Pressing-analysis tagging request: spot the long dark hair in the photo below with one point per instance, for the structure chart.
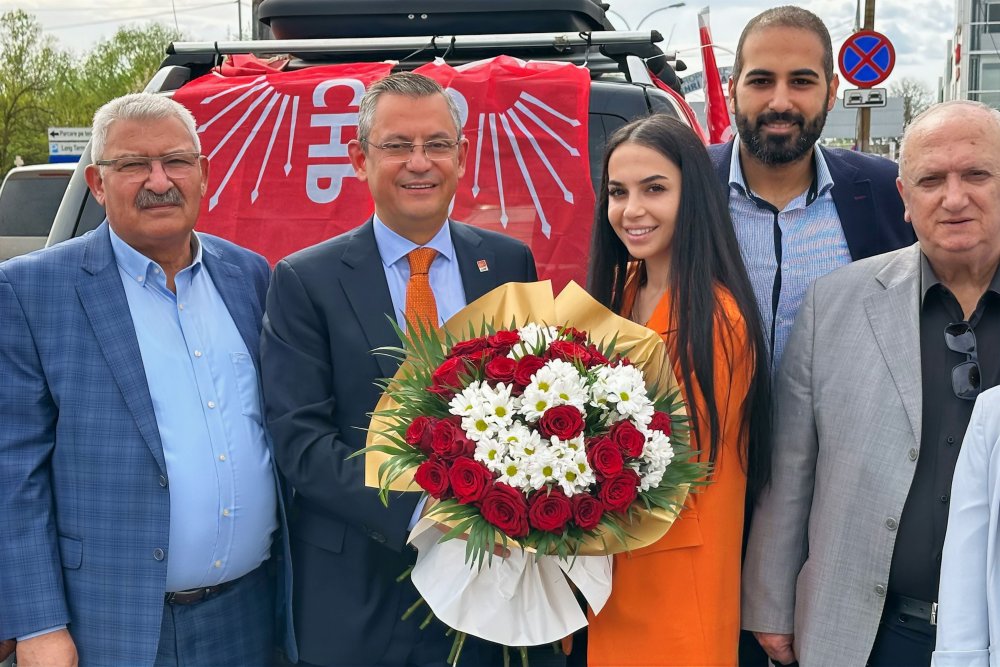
(704, 254)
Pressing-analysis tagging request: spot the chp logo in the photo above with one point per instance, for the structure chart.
(281, 179)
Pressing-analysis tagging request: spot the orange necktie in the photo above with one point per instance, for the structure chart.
(420, 304)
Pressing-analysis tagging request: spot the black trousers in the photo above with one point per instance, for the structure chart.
(902, 641)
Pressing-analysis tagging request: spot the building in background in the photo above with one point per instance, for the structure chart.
(972, 61)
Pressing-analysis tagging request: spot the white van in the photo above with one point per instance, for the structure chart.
(29, 199)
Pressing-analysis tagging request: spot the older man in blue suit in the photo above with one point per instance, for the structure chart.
(139, 504)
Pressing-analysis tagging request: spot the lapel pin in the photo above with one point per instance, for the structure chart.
(483, 266)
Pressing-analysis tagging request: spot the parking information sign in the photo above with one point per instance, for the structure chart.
(867, 58)
(66, 144)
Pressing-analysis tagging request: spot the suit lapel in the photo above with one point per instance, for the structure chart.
(894, 315)
(852, 196)
(476, 262)
(722, 166)
(368, 293)
(103, 298)
(237, 293)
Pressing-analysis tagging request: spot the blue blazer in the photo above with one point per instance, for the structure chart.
(328, 307)
(84, 498)
(864, 192)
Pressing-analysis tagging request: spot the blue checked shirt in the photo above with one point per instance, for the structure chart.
(785, 251)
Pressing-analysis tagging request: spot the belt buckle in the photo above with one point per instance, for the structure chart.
(934, 613)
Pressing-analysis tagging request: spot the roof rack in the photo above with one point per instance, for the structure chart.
(601, 52)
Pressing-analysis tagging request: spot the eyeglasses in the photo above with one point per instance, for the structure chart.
(402, 151)
(966, 380)
(175, 165)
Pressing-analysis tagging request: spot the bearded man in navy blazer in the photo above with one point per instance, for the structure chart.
(139, 505)
(800, 211)
(328, 307)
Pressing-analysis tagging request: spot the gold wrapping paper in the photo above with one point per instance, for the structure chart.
(535, 302)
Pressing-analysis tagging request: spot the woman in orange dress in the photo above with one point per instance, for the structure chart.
(664, 254)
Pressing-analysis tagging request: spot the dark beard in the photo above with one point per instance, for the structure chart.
(779, 149)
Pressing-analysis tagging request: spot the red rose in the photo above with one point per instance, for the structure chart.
(504, 340)
(574, 334)
(527, 366)
(568, 350)
(448, 441)
(596, 358)
(549, 511)
(618, 492)
(661, 422)
(464, 347)
(479, 358)
(628, 438)
(419, 433)
(605, 457)
(447, 374)
(587, 511)
(501, 369)
(469, 480)
(432, 476)
(562, 421)
(505, 507)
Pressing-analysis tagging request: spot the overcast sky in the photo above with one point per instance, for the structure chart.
(919, 29)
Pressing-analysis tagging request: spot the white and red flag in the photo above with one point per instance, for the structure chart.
(716, 113)
(281, 180)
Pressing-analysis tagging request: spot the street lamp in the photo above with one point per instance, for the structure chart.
(643, 19)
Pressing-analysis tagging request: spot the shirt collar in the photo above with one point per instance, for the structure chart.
(822, 180)
(929, 279)
(137, 265)
(392, 247)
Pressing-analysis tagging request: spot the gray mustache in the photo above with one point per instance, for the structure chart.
(148, 198)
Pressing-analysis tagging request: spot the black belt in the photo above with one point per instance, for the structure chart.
(900, 604)
(196, 595)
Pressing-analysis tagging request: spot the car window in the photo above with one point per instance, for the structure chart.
(28, 203)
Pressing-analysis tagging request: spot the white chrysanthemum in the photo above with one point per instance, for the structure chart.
(577, 475)
(513, 472)
(543, 467)
(657, 454)
(478, 425)
(534, 339)
(491, 453)
(498, 403)
(522, 444)
(535, 401)
(462, 404)
(658, 449)
(555, 383)
(622, 391)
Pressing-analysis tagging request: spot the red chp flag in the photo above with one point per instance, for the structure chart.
(281, 180)
(716, 114)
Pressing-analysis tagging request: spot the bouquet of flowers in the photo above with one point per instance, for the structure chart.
(532, 435)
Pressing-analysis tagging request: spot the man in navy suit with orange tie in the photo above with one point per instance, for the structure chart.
(328, 307)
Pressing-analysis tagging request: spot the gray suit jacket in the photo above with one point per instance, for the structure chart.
(846, 444)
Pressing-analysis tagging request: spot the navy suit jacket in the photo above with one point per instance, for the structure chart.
(84, 494)
(328, 307)
(864, 192)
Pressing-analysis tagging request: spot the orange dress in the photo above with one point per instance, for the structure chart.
(677, 602)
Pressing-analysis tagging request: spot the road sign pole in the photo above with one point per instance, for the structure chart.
(865, 115)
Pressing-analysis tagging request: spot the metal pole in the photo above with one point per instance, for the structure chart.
(239, 17)
(865, 115)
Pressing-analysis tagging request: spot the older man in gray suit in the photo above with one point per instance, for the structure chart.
(875, 392)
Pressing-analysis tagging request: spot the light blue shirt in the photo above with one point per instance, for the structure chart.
(812, 244)
(223, 500)
(444, 276)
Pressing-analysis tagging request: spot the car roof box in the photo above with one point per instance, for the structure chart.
(315, 19)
